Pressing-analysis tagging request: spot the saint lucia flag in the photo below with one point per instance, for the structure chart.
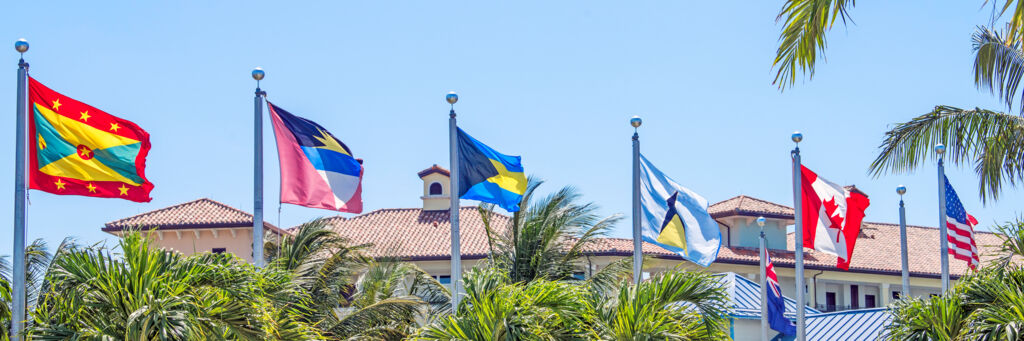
(676, 218)
(317, 170)
(489, 176)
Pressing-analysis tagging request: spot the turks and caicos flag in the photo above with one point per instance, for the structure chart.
(317, 170)
(831, 216)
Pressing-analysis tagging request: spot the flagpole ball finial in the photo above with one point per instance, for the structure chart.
(901, 190)
(451, 97)
(258, 73)
(21, 45)
(760, 221)
(940, 149)
(635, 121)
(797, 137)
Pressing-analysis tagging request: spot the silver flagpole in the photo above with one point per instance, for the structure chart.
(257, 205)
(798, 238)
(764, 283)
(18, 297)
(453, 155)
(901, 190)
(943, 235)
(638, 255)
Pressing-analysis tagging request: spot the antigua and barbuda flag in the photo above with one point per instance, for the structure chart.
(676, 218)
(317, 170)
(489, 176)
(832, 215)
(76, 149)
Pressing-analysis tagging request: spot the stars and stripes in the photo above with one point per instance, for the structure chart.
(961, 229)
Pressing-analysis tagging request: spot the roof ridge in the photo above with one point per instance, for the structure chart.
(163, 210)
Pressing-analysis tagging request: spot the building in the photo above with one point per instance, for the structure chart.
(422, 235)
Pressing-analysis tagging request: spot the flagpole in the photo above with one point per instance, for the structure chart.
(901, 190)
(940, 149)
(453, 155)
(18, 297)
(638, 260)
(798, 238)
(257, 205)
(764, 283)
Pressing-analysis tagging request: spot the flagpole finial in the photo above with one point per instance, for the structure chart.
(21, 45)
(797, 137)
(451, 97)
(901, 190)
(635, 121)
(760, 221)
(940, 149)
(258, 74)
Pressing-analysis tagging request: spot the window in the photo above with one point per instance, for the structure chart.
(444, 279)
(435, 189)
(219, 250)
(579, 275)
(854, 296)
(895, 295)
(869, 301)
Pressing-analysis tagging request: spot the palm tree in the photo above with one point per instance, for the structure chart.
(545, 239)
(674, 305)
(143, 293)
(805, 23)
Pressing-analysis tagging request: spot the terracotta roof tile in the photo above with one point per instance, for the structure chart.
(749, 206)
(201, 213)
(434, 169)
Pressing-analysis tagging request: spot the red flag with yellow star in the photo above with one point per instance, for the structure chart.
(77, 149)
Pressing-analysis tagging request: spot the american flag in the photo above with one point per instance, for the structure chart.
(961, 229)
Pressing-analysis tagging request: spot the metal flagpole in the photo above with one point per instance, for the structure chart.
(798, 239)
(764, 283)
(257, 205)
(638, 255)
(453, 155)
(940, 149)
(903, 244)
(18, 297)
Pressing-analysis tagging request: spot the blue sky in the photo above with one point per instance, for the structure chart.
(555, 82)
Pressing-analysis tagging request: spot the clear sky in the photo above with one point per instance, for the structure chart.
(553, 81)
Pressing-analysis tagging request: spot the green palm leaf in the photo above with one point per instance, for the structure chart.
(802, 40)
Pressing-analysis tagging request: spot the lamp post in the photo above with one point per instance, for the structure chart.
(901, 190)
(635, 122)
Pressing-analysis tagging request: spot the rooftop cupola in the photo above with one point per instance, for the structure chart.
(436, 188)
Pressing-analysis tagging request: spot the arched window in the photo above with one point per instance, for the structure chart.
(435, 189)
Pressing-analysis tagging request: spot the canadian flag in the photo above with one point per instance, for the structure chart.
(831, 216)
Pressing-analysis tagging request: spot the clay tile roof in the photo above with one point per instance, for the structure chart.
(415, 234)
(749, 206)
(877, 251)
(201, 213)
(434, 169)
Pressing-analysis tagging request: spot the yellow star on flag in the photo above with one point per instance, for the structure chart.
(56, 104)
(91, 188)
(114, 127)
(60, 184)
(85, 116)
(123, 189)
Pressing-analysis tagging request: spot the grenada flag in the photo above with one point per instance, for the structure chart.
(76, 149)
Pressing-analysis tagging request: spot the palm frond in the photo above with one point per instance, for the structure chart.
(802, 40)
(992, 141)
(998, 64)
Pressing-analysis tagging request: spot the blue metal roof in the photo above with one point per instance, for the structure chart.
(855, 325)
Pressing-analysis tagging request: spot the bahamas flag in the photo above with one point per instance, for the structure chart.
(489, 176)
(676, 218)
(317, 170)
(76, 149)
